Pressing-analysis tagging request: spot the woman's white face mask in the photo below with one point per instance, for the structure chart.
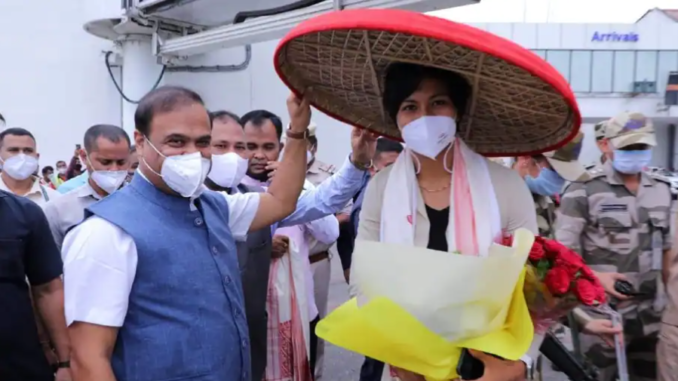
(429, 135)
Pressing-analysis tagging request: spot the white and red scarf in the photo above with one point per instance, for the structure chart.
(288, 345)
(474, 222)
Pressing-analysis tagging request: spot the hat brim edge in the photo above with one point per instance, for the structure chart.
(561, 87)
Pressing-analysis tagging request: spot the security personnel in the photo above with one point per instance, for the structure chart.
(546, 175)
(601, 142)
(619, 221)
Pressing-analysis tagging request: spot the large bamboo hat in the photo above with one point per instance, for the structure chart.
(519, 104)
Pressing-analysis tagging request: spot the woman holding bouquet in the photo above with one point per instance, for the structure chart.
(450, 92)
(428, 103)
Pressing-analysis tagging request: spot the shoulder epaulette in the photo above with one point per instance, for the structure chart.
(594, 173)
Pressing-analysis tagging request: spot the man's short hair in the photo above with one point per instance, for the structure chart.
(387, 145)
(162, 100)
(224, 116)
(46, 169)
(259, 117)
(15, 131)
(109, 132)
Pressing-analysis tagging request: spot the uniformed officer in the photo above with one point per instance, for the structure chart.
(601, 142)
(619, 221)
(319, 253)
(546, 175)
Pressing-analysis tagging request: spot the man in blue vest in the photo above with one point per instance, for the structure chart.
(153, 288)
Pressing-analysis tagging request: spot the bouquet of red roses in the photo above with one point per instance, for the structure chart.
(557, 281)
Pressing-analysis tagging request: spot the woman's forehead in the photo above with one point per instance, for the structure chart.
(430, 87)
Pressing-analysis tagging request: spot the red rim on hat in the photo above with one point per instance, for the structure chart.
(520, 104)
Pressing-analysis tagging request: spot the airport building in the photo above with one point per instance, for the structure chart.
(613, 68)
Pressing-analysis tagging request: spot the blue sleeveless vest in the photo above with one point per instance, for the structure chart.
(186, 317)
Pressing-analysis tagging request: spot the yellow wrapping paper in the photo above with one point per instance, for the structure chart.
(416, 308)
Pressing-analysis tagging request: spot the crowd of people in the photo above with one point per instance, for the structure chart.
(199, 248)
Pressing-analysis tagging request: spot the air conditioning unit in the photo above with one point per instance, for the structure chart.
(230, 23)
(645, 87)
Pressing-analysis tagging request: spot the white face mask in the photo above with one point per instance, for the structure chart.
(184, 174)
(309, 157)
(429, 135)
(109, 181)
(62, 171)
(20, 167)
(228, 169)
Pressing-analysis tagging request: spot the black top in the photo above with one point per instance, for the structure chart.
(27, 249)
(437, 235)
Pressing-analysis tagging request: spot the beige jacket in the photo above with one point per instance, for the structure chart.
(516, 207)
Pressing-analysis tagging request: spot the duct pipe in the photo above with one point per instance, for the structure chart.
(139, 73)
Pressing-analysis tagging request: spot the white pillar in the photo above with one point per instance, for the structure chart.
(140, 71)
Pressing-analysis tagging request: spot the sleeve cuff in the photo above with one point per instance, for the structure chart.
(349, 171)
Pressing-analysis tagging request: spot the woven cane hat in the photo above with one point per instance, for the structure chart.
(520, 105)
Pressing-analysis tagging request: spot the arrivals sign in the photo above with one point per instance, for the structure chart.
(614, 37)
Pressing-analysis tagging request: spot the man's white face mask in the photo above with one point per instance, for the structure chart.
(184, 174)
(228, 169)
(109, 181)
(20, 167)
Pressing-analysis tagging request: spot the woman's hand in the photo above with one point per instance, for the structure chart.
(604, 329)
(607, 280)
(364, 145)
(406, 375)
(499, 370)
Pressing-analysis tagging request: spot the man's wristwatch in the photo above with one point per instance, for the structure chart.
(63, 364)
(296, 134)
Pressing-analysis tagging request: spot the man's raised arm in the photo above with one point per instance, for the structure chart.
(280, 199)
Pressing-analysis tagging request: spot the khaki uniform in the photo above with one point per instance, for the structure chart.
(565, 162)
(618, 231)
(546, 215)
(39, 194)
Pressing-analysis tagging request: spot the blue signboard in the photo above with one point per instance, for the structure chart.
(614, 37)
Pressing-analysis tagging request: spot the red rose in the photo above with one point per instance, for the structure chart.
(587, 273)
(507, 240)
(537, 252)
(552, 246)
(586, 292)
(558, 281)
(572, 263)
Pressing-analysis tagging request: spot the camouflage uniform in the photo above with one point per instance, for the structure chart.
(619, 231)
(564, 162)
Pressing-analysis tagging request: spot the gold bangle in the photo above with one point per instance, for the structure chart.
(361, 166)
